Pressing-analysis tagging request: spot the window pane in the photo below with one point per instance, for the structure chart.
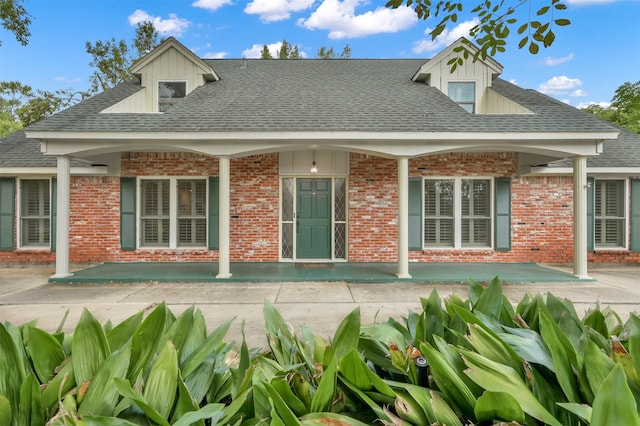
(287, 240)
(34, 212)
(192, 222)
(172, 89)
(610, 218)
(340, 200)
(155, 212)
(438, 206)
(287, 199)
(462, 91)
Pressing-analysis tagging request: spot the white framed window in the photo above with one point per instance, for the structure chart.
(610, 213)
(35, 212)
(458, 212)
(464, 94)
(173, 212)
(169, 92)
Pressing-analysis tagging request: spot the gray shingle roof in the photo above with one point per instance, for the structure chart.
(16, 150)
(621, 152)
(369, 95)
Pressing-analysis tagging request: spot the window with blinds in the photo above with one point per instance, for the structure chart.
(35, 223)
(457, 212)
(610, 213)
(464, 94)
(192, 213)
(173, 212)
(154, 210)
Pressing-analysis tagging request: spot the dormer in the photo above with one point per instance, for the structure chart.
(470, 84)
(168, 73)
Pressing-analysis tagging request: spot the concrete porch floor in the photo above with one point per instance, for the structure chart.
(378, 272)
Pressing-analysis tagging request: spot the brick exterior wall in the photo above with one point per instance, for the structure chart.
(541, 216)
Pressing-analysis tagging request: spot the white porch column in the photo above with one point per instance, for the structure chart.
(580, 217)
(62, 217)
(225, 214)
(403, 218)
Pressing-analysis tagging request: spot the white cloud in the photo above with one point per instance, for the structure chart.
(173, 26)
(214, 55)
(255, 51)
(445, 38)
(579, 94)
(583, 105)
(276, 10)
(552, 62)
(67, 80)
(340, 18)
(211, 5)
(560, 86)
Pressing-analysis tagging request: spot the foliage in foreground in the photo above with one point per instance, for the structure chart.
(478, 361)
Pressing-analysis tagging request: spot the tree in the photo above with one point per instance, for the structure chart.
(496, 21)
(14, 18)
(114, 58)
(625, 107)
(286, 51)
(324, 53)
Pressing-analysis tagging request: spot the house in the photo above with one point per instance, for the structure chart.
(352, 160)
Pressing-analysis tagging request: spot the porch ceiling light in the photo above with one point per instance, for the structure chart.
(314, 168)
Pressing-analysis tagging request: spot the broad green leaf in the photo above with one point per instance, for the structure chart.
(30, 410)
(493, 406)
(162, 384)
(443, 412)
(5, 411)
(11, 375)
(196, 336)
(432, 320)
(62, 383)
(284, 412)
(124, 388)
(206, 349)
(102, 396)
(179, 330)
(120, 334)
(529, 345)
(325, 392)
(89, 347)
(409, 409)
(46, 353)
(286, 393)
(491, 346)
(105, 421)
(347, 334)
(448, 381)
(581, 410)
(564, 357)
(145, 341)
(184, 403)
(597, 366)
(615, 402)
(200, 380)
(496, 377)
(490, 300)
(596, 320)
(368, 400)
(209, 411)
(634, 339)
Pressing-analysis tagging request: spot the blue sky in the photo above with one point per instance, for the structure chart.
(598, 52)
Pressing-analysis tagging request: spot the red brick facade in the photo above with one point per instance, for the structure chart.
(541, 215)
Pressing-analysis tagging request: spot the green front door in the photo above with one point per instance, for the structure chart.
(313, 219)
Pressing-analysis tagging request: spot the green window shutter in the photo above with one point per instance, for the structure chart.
(53, 213)
(503, 214)
(415, 213)
(214, 213)
(635, 215)
(128, 213)
(591, 217)
(7, 213)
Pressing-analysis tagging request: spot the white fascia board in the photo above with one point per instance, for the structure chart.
(321, 136)
(410, 144)
(626, 171)
(51, 171)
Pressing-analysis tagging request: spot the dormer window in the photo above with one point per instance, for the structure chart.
(464, 94)
(169, 92)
